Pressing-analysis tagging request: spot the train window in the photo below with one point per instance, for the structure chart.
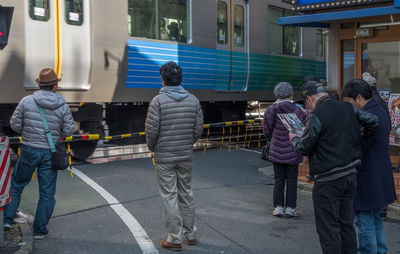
(291, 38)
(159, 19)
(238, 35)
(222, 23)
(320, 42)
(275, 31)
(283, 39)
(39, 10)
(74, 12)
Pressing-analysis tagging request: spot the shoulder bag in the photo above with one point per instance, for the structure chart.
(59, 157)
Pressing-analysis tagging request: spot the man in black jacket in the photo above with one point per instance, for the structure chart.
(332, 141)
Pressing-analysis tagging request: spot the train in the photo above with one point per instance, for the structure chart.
(108, 54)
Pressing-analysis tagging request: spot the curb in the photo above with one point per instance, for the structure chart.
(25, 221)
(27, 238)
(393, 210)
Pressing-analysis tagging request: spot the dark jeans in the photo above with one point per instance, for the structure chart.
(334, 215)
(30, 159)
(285, 173)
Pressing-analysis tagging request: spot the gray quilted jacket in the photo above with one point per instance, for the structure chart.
(26, 118)
(174, 123)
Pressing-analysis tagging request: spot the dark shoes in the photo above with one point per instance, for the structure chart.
(171, 246)
(190, 242)
(42, 236)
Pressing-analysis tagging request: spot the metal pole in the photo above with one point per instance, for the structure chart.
(1, 228)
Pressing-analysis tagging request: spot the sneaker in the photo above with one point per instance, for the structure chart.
(190, 241)
(7, 227)
(290, 212)
(42, 236)
(278, 211)
(171, 246)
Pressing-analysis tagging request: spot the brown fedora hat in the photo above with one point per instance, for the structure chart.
(47, 77)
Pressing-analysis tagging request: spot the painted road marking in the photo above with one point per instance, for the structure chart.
(248, 150)
(138, 232)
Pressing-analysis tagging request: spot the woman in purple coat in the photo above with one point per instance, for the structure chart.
(281, 153)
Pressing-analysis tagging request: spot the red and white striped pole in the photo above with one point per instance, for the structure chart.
(5, 183)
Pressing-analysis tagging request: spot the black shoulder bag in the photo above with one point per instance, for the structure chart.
(59, 157)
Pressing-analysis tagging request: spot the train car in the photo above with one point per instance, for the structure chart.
(108, 54)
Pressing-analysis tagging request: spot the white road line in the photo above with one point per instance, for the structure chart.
(248, 150)
(138, 232)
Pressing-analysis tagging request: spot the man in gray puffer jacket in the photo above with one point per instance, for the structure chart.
(35, 150)
(174, 123)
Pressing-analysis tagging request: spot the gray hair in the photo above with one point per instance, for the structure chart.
(369, 79)
(283, 90)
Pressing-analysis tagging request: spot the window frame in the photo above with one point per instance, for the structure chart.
(283, 12)
(189, 19)
(243, 24)
(227, 33)
(66, 18)
(32, 11)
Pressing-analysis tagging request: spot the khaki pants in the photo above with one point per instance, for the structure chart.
(174, 181)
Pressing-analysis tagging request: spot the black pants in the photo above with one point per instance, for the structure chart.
(285, 173)
(334, 215)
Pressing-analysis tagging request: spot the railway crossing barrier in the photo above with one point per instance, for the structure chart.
(253, 128)
(5, 183)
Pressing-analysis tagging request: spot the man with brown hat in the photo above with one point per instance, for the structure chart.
(35, 149)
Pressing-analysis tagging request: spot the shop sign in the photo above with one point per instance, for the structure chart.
(385, 94)
(311, 5)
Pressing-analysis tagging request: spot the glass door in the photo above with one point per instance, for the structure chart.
(382, 61)
(232, 45)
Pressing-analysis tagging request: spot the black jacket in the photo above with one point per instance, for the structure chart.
(375, 184)
(332, 138)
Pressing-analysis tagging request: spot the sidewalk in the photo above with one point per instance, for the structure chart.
(233, 192)
(19, 239)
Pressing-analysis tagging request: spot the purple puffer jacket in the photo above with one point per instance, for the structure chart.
(281, 150)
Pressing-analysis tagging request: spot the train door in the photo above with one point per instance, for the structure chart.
(232, 45)
(75, 53)
(58, 35)
(39, 39)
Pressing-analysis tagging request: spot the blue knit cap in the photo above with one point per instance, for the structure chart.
(283, 90)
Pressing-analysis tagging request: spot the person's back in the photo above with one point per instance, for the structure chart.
(58, 116)
(35, 149)
(281, 154)
(178, 119)
(174, 123)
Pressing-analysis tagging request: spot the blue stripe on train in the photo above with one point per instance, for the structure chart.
(205, 68)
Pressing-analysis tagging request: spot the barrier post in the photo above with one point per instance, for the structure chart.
(5, 183)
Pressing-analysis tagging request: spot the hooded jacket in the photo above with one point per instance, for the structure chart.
(26, 119)
(174, 123)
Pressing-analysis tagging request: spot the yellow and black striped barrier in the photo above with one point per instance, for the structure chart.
(92, 137)
(96, 137)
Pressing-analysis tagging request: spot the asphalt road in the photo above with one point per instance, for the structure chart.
(233, 200)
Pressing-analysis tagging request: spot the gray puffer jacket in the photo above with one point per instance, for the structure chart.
(26, 118)
(174, 123)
